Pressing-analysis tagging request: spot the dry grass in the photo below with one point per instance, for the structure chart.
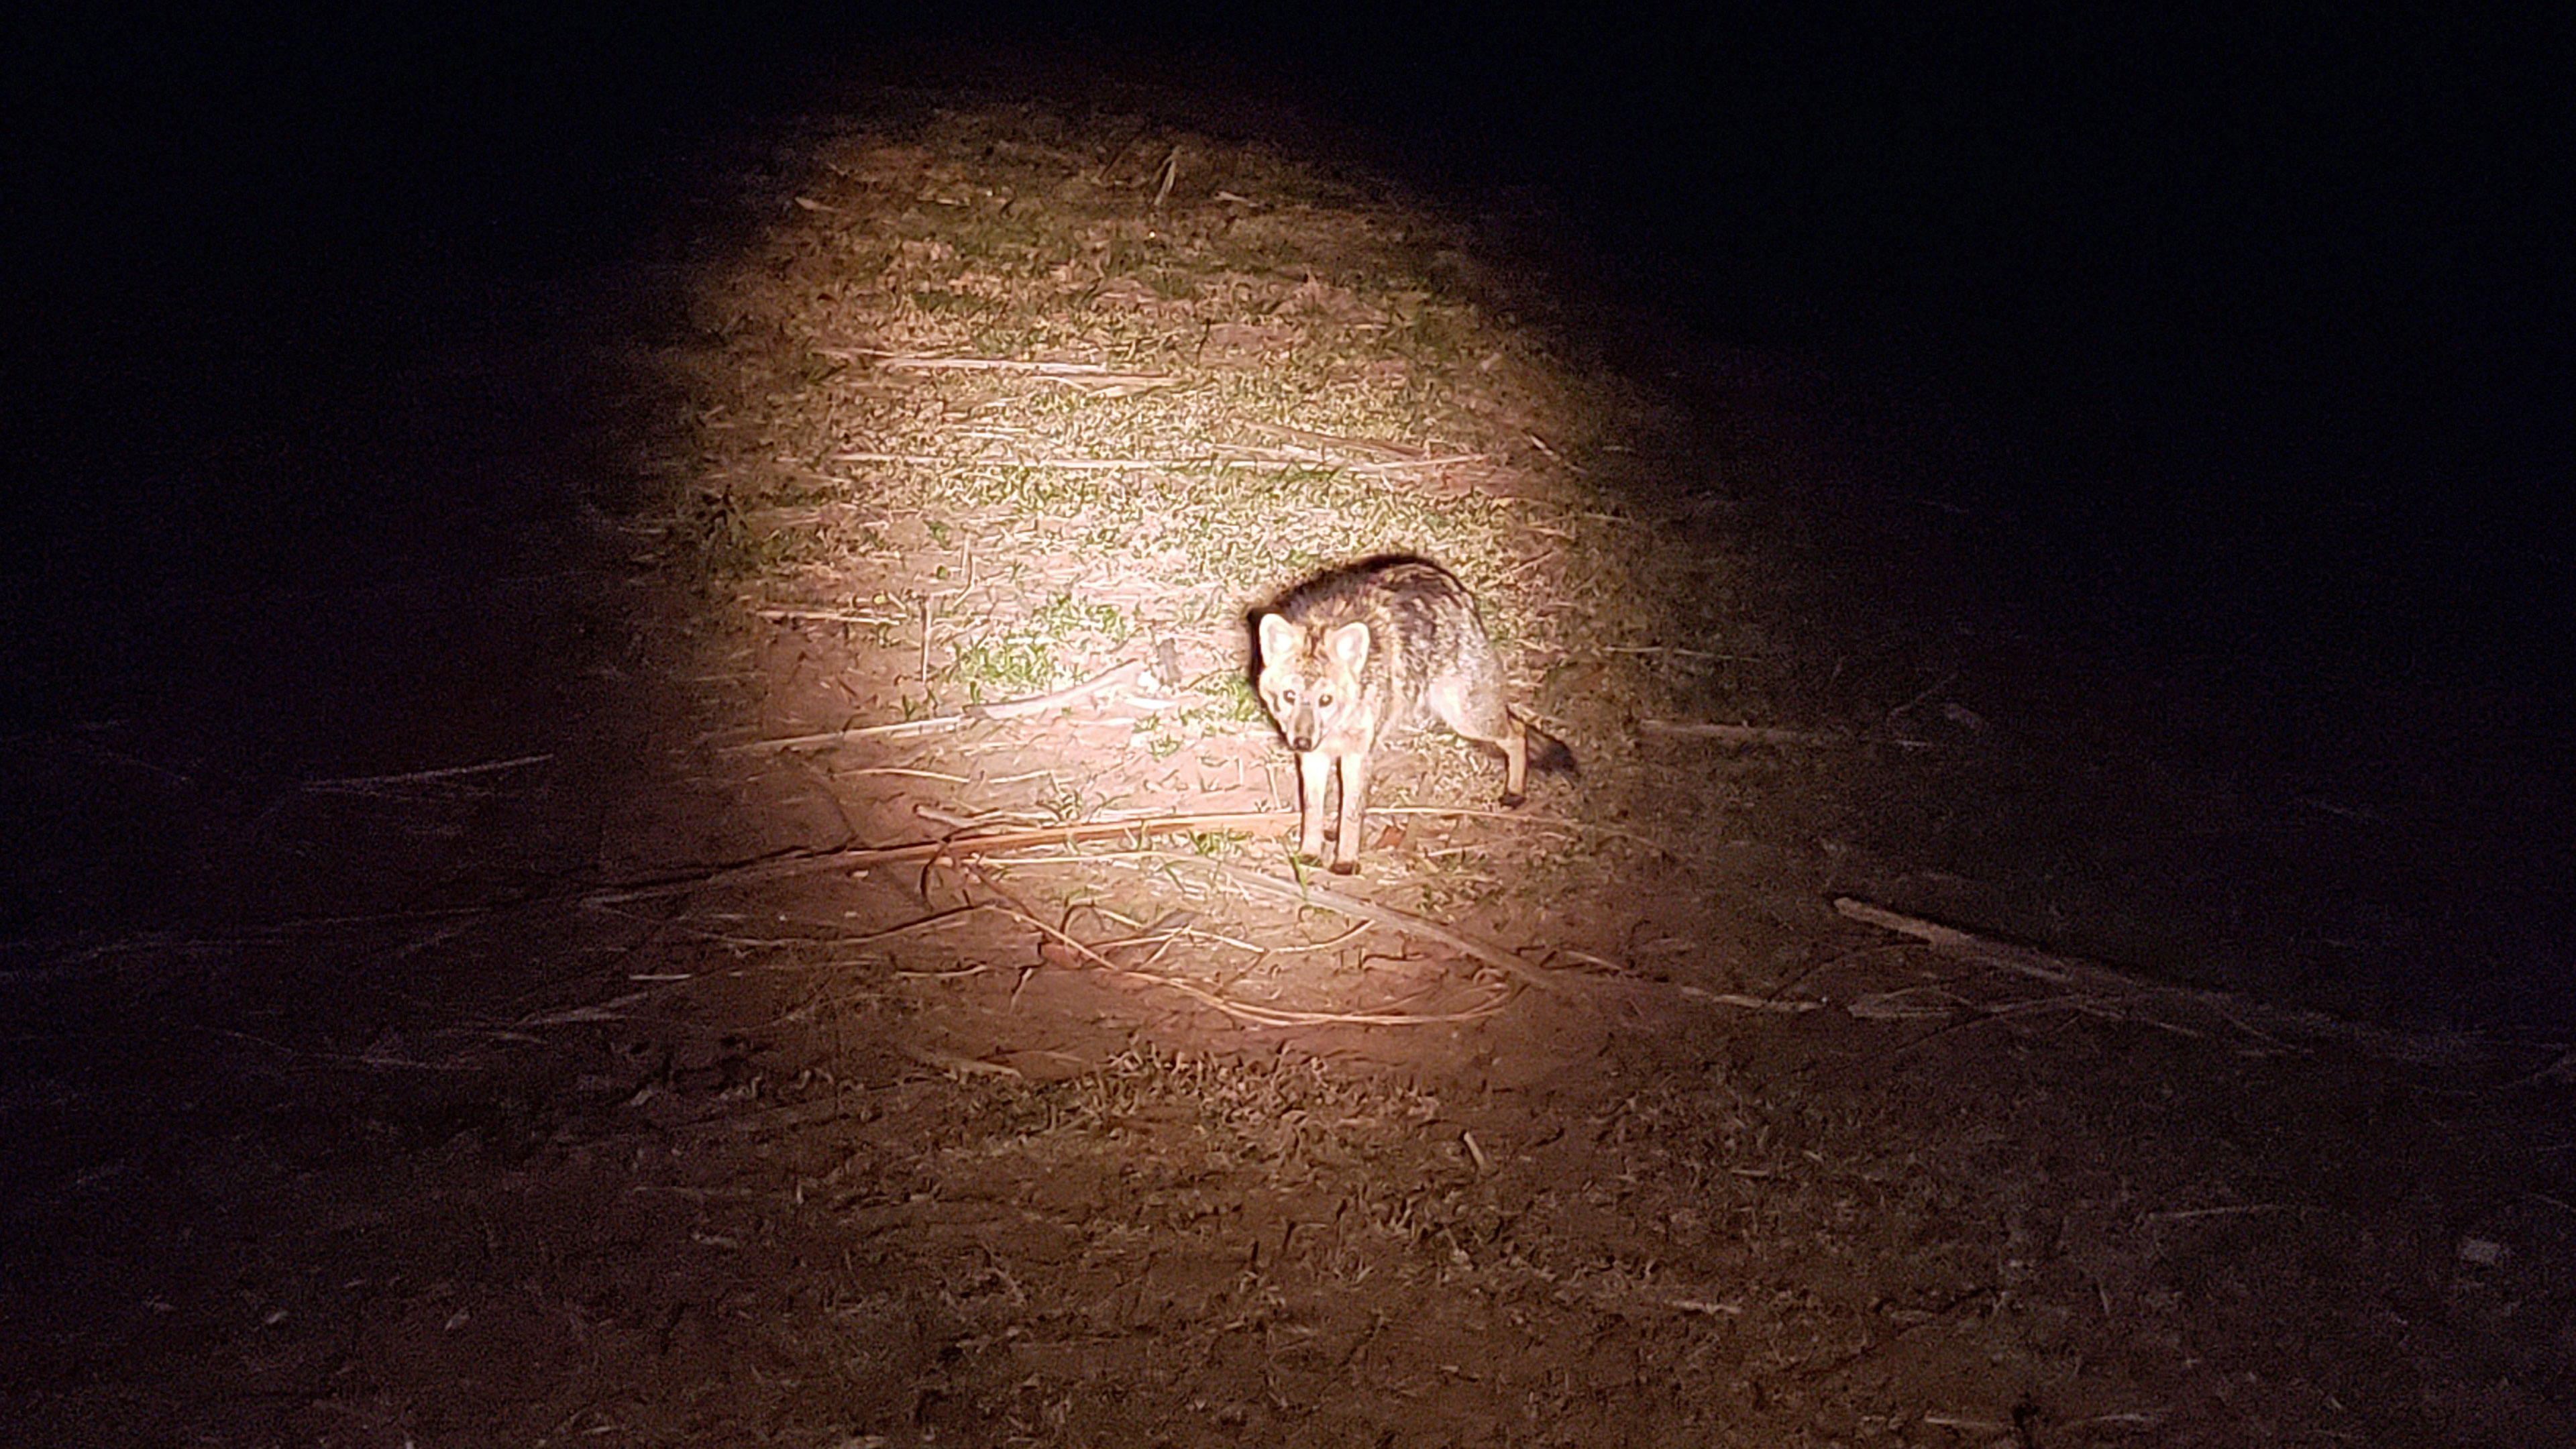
(975, 418)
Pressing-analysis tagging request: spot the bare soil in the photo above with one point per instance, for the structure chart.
(648, 995)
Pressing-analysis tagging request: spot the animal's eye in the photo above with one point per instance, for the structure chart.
(1287, 696)
(1324, 701)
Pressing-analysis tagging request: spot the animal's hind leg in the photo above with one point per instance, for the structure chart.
(1480, 715)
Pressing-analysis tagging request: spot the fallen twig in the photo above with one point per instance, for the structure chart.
(936, 724)
(1745, 1002)
(939, 724)
(1951, 941)
(2108, 981)
(2232, 1210)
(917, 362)
(787, 867)
(1310, 894)
(362, 783)
(1223, 458)
(1733, 734)
(1101, 683)
(1241, 1011)
(1376, 449)
(1331, 450)
(780, 614)
(1058, 464)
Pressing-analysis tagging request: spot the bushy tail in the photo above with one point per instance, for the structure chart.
(1548, 755)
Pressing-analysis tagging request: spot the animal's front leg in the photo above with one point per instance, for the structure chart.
(1314, 777)
(1346, 851)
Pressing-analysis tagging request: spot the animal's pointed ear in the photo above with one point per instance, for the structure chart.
(1349, 644)
(1278, 638)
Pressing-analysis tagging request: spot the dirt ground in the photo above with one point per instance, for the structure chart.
(645, 992)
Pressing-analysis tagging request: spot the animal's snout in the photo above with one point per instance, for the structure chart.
(1301, 727)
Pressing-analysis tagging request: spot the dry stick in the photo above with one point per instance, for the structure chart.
(962, 1066)
(944, 918)
(936, 724)
(2083, 1004)
(1950, 940)
(2079, 974)
(1101, 683)
(1312, 894)
(1115, 384)
(1225, 459)
(1732, 734)
(1678, 652)
(1771, 1003)
(915, 362)
(787, 867)
(1001, 709)
(1053, 465)
(1012, 904)
(2231, 1210)
(927, 604)
(1385, 452)
(863, 857)
(1240, 1011)
(1985, 950)
(415, 777)
(780, 615)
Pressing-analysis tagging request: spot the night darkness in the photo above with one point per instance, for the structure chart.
(2196, 385)
(2239, 339)
(2232, 294)
(2266, 301)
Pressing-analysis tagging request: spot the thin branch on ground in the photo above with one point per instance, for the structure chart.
(1311, 894)
(1239, 1010)
(1102, 683)
(360, 784)
(1726, 734)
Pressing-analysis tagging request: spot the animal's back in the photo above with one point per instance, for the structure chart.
(1423, 629)
(1373, 649)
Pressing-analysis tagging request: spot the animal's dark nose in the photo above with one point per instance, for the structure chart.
(1301, 743)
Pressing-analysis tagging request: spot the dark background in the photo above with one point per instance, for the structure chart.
(2245, 337)
(2282, 289)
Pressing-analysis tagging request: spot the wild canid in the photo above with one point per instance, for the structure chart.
(1366, 652)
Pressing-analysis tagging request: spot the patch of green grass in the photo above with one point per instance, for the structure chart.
(1045, 647)
(1218, 844)
(1011, 665)
(1064, 617)
(1230, 699)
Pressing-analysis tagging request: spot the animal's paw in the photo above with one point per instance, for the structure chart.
(1346, 867)
(1512, 801)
